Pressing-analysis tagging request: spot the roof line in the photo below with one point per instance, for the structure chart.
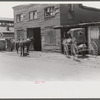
(89, 8)
(77, 25)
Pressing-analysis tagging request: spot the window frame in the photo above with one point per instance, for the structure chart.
(70, 7)
(49, 37)
(33, 12)
(53, 11)
(19, 18)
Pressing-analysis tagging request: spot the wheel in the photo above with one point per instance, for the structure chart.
(82, 51)
(74, 51)
(94, 49)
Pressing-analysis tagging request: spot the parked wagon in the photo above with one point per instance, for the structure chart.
(79, 45)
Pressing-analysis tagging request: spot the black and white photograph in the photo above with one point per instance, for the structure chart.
(49, 42)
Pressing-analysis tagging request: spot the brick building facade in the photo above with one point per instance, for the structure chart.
(6, 28)
(38, 20)
(6, 33)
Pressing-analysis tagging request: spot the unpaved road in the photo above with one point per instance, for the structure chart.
(40, 66)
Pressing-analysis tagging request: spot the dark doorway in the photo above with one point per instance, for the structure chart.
(36, 33)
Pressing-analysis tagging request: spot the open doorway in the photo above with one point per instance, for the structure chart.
(36, 33)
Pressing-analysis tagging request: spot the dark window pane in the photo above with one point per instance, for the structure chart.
(50, 37)
(48, 12)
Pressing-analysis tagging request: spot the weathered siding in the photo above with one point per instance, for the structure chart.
(41, 22)
(47, 23)
(79, 14)
(94, 35)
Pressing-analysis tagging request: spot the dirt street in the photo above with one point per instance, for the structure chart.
(40, 66)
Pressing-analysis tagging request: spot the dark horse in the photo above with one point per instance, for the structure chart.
(22, 44)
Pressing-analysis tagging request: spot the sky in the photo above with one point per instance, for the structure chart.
(7, 11)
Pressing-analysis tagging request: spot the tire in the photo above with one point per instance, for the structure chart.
(94, 49)
(74, 51)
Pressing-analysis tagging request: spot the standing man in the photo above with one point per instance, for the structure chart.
(21, 44)
(17, 45)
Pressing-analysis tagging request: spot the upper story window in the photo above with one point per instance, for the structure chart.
(70, 11)
(19, 17)
(4, 23)
(70, 7)
(49, 11)
(10, 24)
(33, 15)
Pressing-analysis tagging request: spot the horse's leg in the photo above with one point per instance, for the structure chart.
(17, 49)
(23, 50)
(28, 49)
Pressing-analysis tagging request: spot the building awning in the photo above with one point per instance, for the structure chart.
(77, 25)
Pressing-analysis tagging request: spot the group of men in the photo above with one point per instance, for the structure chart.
(22, 45)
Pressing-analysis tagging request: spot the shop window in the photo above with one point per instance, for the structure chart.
(49, 11)
(50, 37)
(32, 15)
(19, 17)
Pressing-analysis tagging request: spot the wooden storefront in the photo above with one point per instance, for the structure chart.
(92, 32)
(94, 35)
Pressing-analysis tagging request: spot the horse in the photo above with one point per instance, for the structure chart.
(25, 43)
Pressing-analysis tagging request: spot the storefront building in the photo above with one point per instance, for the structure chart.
(39, 20)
